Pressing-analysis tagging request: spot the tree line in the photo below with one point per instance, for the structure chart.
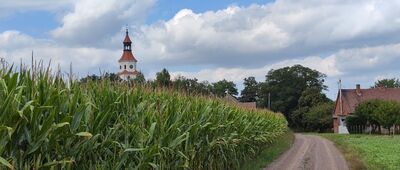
(295, 91)
(375, 114)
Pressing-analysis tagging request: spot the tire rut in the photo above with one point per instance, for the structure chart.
(310, 152)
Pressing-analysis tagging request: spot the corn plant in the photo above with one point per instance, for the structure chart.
(47, 122)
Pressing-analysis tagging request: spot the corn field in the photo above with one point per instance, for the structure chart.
(50, 123)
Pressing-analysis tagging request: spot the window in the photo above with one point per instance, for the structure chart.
(124, 66)
(129, 77)
(120, 67)
(131, 66)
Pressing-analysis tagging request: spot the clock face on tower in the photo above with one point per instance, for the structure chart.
(131, 66)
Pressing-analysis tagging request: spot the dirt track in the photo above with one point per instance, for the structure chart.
(310, 152)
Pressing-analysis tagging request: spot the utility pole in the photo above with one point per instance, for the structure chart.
(269, 100)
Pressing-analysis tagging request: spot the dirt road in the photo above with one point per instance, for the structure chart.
(310, 152)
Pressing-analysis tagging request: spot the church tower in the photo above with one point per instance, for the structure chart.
(127, 62)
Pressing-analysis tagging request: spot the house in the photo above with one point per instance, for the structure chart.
(249, 105)
(348, 99)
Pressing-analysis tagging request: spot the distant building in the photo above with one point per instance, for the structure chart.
(127, 63)
(348, 99)
(233, 100)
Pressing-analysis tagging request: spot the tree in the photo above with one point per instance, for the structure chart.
(376, 113)
(163, 78)
(112, 77)
(139, 79)
(109, 76)
(249, 93)
(309, 98)
(286, 86)
(224, 86)
(88, 78)
(191, 86)
(386, 113)
(387, 83)
(319, 117)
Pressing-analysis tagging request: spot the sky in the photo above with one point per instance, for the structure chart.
(355, 41)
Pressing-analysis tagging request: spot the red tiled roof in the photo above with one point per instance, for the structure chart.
(127, 39)
(248, 105)
(126, 72)
(127, 56)
(350, 98)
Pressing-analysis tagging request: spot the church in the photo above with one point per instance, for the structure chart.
(127, 62)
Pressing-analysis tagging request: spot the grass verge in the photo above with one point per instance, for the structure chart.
(368, 151)
(351, 155)
(270, 153)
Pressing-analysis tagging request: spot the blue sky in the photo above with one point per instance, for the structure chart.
(165, 9)
(356, 41)
(38, 23)
(35, 23)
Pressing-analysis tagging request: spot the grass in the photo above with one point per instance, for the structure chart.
(50, 123)
(270, 152)
(369, 151)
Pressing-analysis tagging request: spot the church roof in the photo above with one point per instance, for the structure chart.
(125, 72)
(127, 39)
(127, 56)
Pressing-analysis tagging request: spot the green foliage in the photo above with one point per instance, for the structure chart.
(249, 93)
(270, 152)
(377, 152)
(191, 86)
(139, 79)
(376, 113)
(319, 117)
(224, 86)
(387, 83)
(46, 123)
(301, 118)
(163, 78)
(286, 86)
(93, 77)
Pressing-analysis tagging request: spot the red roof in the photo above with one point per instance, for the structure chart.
(125, 72)
(248, 105)
(127, 39)
(127, 56)
(350, 98)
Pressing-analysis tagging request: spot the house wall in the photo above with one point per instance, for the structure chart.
(127, 76)
(127, 64)
(335, 116)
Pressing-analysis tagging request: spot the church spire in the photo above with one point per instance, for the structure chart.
(127, 52)
(127, 62)
(127, 42)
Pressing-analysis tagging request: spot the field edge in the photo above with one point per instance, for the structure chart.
(353, 157)
(270, 153)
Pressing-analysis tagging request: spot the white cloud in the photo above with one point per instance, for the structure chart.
(264, 34)
(341, 38)
(92, 22)
(9, 7)
(325, 65)
(11, 40)
(16, 47)
(36, 4)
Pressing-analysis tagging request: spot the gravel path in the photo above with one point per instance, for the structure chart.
(310, 152)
